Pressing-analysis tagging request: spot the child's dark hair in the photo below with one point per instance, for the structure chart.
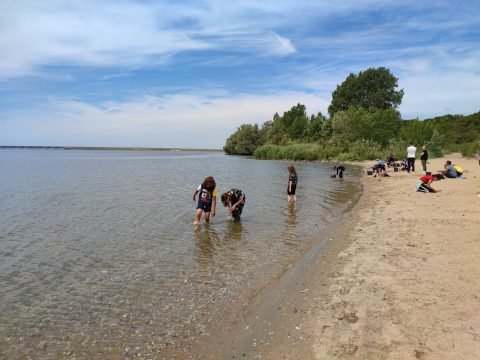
(438, 176)
(209, 182)
(291, 169)
(449, 162)
(224, 198)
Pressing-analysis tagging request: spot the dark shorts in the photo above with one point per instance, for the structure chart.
(205, 206)
(237, 212)
(294, 188)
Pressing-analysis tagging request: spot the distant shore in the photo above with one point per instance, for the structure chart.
(104, 148)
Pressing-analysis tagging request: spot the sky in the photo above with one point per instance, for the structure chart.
(188, 73)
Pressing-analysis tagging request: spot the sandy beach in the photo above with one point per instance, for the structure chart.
(397, 280)
(405, 286)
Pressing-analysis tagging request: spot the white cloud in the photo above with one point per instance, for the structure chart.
(182, 120)
(91, 33)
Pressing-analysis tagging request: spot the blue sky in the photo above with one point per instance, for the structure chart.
(188, 73)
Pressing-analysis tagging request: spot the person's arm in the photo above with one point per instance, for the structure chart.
(214, 205)
(195, 194)
(240, 201)
(431, 188)
(289, 185)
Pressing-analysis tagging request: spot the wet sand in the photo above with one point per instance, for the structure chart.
(404, 286)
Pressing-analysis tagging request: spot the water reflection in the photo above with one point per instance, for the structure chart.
(291, 219)
(206, 237)
(234, 231)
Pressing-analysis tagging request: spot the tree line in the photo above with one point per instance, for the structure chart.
(362, 123)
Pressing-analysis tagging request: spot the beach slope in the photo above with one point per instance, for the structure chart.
(408, 283)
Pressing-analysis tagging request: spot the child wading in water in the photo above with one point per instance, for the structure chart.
(292, 184)
(234, 200)
(208, 194)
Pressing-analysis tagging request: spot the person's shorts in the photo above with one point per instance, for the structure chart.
(294, 188)
(205, 206)
(237, 212)
(450, 176)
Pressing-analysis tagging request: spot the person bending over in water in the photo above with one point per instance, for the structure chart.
(234, 200)
(292, 184)
(340, 169)
(208, 195)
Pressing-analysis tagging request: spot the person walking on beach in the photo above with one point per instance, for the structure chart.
(207, 197)
(411, 152)
(234, 200)
(340, 169)
(424, 158)
(292, 183)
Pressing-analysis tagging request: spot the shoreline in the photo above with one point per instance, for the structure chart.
(406, 284)
(243, 327)
(397, 280)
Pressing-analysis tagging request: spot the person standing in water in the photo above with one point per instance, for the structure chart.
(208, 195)
(292, 183)
(340, 169)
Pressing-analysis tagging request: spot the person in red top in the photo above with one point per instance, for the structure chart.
(427, 181)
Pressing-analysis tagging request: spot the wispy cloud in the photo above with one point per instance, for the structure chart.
(90, 33)
(147, 73)
(72, 122)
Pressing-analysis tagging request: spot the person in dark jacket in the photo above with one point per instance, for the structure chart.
(424, 158)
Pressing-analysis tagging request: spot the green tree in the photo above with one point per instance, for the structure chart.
(244, 141)
(359, 124)
(372, 88)
(435, 144)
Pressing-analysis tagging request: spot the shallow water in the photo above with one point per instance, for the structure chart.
(99, 255)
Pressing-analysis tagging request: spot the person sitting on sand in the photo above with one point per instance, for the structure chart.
(426, 181)
(340, 169)
(391, 158)
(449, 171)
(404, 165)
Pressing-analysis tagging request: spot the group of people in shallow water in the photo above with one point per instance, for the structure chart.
(408, 164)
(234, 199)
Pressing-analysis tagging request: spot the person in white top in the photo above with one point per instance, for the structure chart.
(411, 152)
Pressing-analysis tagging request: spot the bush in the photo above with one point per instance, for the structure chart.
(357, 151)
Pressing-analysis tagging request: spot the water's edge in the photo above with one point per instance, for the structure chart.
(239, 332)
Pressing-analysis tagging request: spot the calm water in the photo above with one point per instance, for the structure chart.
(98, 252)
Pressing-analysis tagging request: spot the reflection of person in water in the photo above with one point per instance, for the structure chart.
(205, 240)
(292, 216)
(234, 231)
(340, 169)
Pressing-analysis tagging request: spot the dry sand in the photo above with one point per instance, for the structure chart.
(409, 283)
